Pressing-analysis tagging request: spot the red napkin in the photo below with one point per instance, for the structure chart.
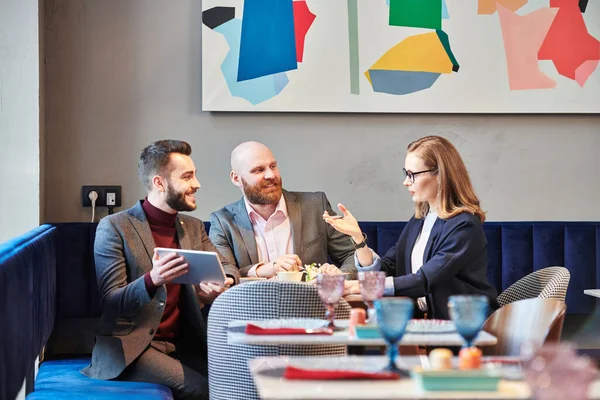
(325, 375)
(257, 330)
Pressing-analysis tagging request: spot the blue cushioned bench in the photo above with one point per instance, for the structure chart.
(49, 298)
(50, 270)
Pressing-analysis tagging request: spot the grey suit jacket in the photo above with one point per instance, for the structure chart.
(313, 240)
(123, 253)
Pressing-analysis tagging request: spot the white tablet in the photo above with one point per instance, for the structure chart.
(204, 266)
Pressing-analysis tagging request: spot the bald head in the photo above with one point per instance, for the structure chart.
(247, 153)
(254, 170)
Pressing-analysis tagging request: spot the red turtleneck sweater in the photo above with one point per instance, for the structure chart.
(162, 225)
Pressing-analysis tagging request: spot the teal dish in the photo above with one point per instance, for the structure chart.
(457, 380)
(367, 332)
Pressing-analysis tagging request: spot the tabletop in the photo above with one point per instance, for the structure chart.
(592, 292)
(343, 337)
(267, 373)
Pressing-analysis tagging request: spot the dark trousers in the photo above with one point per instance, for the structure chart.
(175, 365)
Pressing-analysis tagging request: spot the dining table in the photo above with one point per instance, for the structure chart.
(592, 292)
(268, 375)
(429, 337)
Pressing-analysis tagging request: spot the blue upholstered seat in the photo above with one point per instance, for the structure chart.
(27, 296)
(61, 379)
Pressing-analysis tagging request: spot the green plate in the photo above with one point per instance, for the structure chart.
(482, 380)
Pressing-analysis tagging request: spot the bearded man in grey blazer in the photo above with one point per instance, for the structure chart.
(152, 330)
(270, 229)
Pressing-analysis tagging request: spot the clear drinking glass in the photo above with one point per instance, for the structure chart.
(331, 290)
(469, 314)
(393, 314)
(372, 286)
(557, 372)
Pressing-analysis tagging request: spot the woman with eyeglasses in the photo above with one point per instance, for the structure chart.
(442, 250)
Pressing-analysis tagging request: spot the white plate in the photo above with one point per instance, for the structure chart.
(430, 326)
(302, 323)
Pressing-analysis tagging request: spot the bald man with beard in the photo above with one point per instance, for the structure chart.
(270, 229)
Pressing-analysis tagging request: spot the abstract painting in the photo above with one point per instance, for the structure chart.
(401, 56)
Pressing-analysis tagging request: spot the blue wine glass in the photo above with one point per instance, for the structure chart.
(469, 314)
(393, 315)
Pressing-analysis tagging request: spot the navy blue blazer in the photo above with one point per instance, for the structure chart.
(455, 262)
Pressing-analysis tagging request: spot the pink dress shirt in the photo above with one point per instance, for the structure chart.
(273, 236)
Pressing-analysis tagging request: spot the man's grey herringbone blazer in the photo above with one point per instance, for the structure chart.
(123, 252)
(313, 239)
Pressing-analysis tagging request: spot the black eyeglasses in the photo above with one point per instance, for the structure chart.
(411, 175)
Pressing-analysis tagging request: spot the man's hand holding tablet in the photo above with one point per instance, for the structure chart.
(193, 267)
(167, 268)
(210, 290)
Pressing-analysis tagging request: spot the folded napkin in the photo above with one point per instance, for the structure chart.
(323, 375)
(252, 329)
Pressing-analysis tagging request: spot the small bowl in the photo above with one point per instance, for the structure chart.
(457, 380)
(292, 276)
(367, 332)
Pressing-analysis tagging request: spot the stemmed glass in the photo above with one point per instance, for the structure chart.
(556, 371)
(372, 286)
(393, 314)
(331, 290)
(469, 314)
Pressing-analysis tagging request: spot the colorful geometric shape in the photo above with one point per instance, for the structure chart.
(425, 52)
(401, 82)
(280, 81)
(353, 46)
(523, 36)
(583, 72)
(254, 90)
(303, 19)
(583, 5)
(268, 42)
(489, 6)
(217, 16)
(568, 43)
(445, 14)
(416, 13)
(445, 41)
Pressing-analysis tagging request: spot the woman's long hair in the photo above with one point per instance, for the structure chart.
(456, 194)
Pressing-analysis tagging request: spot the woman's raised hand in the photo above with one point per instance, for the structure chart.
(345, 223)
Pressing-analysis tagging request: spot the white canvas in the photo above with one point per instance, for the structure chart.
(321, 82)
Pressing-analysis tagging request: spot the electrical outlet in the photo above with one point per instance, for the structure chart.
(107, 196)
(111, 198)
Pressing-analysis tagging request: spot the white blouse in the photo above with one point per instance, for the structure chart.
(418, 251)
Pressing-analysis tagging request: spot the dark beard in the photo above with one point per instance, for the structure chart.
(254, 194)
(176, 200)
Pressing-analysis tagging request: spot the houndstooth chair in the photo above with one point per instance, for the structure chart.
(546, 283)
(228, 373)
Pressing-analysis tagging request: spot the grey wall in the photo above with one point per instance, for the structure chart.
(120, 74)
(19, 118)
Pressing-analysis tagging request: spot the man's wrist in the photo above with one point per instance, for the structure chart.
(258, 267)
(151, 288)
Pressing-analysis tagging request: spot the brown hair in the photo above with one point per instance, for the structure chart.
(456, 194)
(155, 159)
